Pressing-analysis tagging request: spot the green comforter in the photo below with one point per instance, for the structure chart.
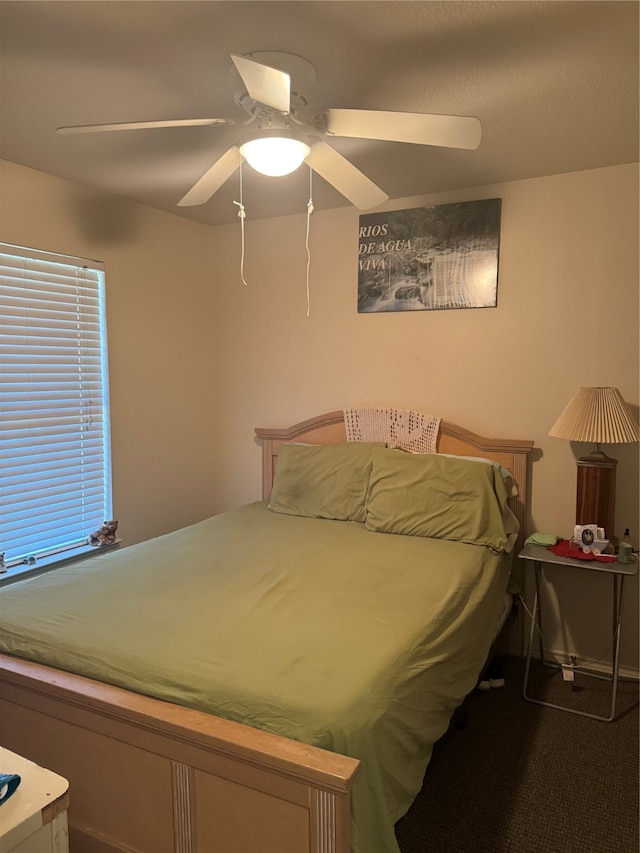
(322, 631)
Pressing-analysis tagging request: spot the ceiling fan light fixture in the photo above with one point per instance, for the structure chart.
(275, 156)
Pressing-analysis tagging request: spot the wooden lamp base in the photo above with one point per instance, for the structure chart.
(596, 492)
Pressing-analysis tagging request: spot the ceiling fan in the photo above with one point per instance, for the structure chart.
(270, 87)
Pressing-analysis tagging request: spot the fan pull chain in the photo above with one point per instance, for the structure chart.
(310, 209)
(242, 214)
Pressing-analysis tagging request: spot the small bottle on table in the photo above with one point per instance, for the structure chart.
(625, 549)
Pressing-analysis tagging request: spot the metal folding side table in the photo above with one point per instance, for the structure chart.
(541, 556)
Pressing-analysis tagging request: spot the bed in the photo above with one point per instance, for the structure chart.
(327, 748)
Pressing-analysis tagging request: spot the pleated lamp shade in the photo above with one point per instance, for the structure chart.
(601, 416)
(598, 415)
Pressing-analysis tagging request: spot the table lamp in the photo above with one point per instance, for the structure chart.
(601, 416)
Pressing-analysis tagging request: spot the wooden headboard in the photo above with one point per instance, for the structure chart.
(330, 429)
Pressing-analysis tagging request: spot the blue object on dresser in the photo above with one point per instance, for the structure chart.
(8, 784)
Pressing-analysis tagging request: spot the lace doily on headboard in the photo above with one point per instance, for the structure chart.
(413, 431)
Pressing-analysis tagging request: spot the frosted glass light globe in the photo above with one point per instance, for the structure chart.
(274, 155)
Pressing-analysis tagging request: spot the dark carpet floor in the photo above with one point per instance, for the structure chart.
(523, 778)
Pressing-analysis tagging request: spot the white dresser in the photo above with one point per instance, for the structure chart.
(34, 818)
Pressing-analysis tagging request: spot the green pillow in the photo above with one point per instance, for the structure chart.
(323, 481)
(510, 483)
(437, 496)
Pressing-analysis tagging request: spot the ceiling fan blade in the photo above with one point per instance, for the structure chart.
(213, 178)
(419, 128)
(143, 125)
(344, 176)
(265, 85)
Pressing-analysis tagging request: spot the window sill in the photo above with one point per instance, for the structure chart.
(46, 564)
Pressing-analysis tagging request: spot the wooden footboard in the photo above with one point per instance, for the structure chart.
(152, 777)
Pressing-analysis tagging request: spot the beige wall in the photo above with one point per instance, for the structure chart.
(161, 339)
(568, 243)
(198, 360)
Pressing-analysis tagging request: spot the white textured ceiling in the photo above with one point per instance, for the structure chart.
(555, 85)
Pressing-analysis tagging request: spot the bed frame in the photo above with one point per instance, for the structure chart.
(148, 776)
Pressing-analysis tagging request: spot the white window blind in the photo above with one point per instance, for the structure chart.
(55, 470)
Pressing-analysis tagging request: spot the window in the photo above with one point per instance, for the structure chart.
(55, 468)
